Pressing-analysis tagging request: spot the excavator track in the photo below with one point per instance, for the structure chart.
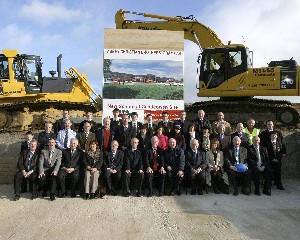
(28, 115)
(240, 110)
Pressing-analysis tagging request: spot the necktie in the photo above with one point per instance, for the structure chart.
(154, 160)
(125, 129)
(237, 155)
(28, 144)
(29, 160)
(258, 156)
(86, 135)
(72, 152)
(66, 139)
(113, 160)
(50, 157)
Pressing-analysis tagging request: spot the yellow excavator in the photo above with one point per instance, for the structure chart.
(226, 71)
(27, 99)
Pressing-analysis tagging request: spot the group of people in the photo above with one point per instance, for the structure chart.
(125, 154)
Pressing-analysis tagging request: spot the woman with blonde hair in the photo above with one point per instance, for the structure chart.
(216, 177)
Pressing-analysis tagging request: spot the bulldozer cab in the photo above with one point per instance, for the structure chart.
(220, 64)
(4, 73)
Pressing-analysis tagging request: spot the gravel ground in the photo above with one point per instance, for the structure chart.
(185, 217)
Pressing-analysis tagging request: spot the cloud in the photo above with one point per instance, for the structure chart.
(12, 37)
(48, 13)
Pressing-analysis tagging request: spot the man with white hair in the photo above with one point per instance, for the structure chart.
(201, 122)
(245, 142)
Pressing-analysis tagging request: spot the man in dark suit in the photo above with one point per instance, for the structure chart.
(195, 167)
(85, 137)
(49, 164)
(166, 124)
(224, 140)
(135, 124)
(105, 135)
(27, 169)
(259, 164)
(44, 136)
(26, 144)
(174, 166)
(133, 167)
(116, 121)
(154, 166)
(266, 135)
(201, 122)
(276, 150)
(237, 155)
(124, 133)
(182, 122)
(151, 127)
(72, 159)
(113, 163)
(60, 123)
(89, 118)
(245, 141)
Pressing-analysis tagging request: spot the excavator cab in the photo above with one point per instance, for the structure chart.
(218, 65)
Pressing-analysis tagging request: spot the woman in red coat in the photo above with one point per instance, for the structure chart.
(163, 139)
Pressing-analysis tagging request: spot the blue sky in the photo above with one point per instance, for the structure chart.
(75, 28)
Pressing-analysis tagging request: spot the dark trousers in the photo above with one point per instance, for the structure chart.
(245, 177)
(173, 181)
(139, 181)
(276, 172)
(48, 179)
(19, 178)
(112, 180)
(196, 180)
(217, 182)
(256, 176)
(61, 176)
(149, 181)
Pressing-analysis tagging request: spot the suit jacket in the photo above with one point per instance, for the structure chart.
(151, 130)
(43, 139)
(244, 137)
(265, 137)
(275, 151)
(188, 139)
(60, 125)
(113, 162)
(115, 124)
(184, 125)
(144, 143)
(168, 127)
(100, 137)
(138, 129)
(75, 161)
(175, 159)
(94, 126)
(225, 142)
(93, 160)
(45, 163)
(84, 143)
(24, 160)
(230, 159)
(123, 137)
(133, 160)
(253, 158)
(149, 158)
(194, 162)
(200, 124)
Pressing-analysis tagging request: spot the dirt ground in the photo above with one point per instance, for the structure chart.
(209, 216)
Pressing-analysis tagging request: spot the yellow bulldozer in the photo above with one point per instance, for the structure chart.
(227, 71)
(27, 99)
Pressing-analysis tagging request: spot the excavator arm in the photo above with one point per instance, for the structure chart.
(194, 31)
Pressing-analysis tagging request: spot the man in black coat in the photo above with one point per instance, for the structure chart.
(195, 167)
(135, 124)
(113, 163)
(60, 123)
(89, 118)
(27, 169)
(124, 133)
(25, 145)
(44, 136)
(259, 164)
(245, 140)
(201, 122)
(174, 166)
(166, 124)
(115, 121)
(182, 122)
(151, 127)
(133, 167)
(71, 162)
(154, 166)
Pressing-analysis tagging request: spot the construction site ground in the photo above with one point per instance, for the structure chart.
(209, 216)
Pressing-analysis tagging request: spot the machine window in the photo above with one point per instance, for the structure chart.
(4, 74)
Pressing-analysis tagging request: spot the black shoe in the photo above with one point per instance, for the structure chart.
(267, 192)
(149, 194)
(280, 187)
(193, 192)
(127, 194)
(160, 194)
(44, 194)
(52, 197)
(216, 191)
(73, 194)
(63, 195)
(257, 192)
(226, 191)
(236, 192)
(178, 192)
(92, 196)
(17, 197)
(87, 196)
(172, 193)
(138, 194)
(246, 192)
(114, 193)
(200, 192)
(33, 196)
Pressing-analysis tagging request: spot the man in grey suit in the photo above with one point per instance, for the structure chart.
(49, 164)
